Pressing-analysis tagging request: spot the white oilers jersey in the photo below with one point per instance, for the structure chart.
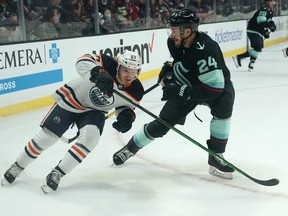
(81, 95)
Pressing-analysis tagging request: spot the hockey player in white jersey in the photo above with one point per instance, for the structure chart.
(84, 102)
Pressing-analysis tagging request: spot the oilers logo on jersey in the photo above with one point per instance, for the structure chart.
(99, 99)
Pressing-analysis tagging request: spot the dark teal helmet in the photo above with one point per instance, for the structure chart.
(185, 18)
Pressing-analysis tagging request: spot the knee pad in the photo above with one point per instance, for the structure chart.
(220, 128)
(255, 51)
(89, 136)
(142, 137)
(156, 129)
(45, 138)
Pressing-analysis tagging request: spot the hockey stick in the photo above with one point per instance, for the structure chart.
(69, 140)
(151, 88)
(145, 92)
(270, 182)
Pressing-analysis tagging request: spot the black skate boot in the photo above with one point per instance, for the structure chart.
(52, 181)
(237, 60)
(251, 63)
(251, 66)
(125, 153)
(219, 168)
(11, 174)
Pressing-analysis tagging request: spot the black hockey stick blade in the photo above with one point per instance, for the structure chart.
(270, 182)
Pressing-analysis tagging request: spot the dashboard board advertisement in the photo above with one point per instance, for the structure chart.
(30, 72)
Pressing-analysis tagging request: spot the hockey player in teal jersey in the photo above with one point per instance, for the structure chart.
(200, 77)
(259, 27)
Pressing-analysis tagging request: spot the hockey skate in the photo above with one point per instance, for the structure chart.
(219, 168)
(285, 52)
(237, 61)
(122, 155)
(11, 174)
(125, 153)
(251, 66)
(52, 181)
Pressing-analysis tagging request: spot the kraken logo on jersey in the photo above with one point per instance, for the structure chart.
(200, 47)
(179, 72)
(100, 99)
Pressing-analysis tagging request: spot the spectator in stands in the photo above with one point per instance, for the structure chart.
(31, 10)
(122, 9)
(90, 30)
(153, 7)
(165, 17)
(102, 5)
(122, 15)
(204, 9)
(207, 4)
(54, 3)
(156, 20)
(110, 23)
(10, 31)
(133, 10)
(2, 11)
(7, 7)
(70, 11)
(3, 6)
(161, 7)
(48, 29)
(142, 9)
(88, 9)
(111, 5)
(176, 5)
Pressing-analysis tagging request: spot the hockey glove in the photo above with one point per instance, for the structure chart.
(176, 92)
(165, 72)
(266, 33)
(272, 26)
(102, 80)
(124, 120)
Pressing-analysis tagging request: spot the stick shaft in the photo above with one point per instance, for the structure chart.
(270, 182)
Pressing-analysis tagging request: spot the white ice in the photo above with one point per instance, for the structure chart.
(170, 176)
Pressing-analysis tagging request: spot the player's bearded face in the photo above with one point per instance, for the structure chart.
(175, 35)
(127, 75)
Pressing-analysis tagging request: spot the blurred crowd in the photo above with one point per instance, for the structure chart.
(49, 19)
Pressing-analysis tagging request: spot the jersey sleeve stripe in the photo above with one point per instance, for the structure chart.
(213, 79)
(71, 100)
(86, 57)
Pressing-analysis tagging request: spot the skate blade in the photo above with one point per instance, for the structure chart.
(46, 189)
(284, 52)
(218, 173)
(235, 61)
(113, 165)
(4, 182)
